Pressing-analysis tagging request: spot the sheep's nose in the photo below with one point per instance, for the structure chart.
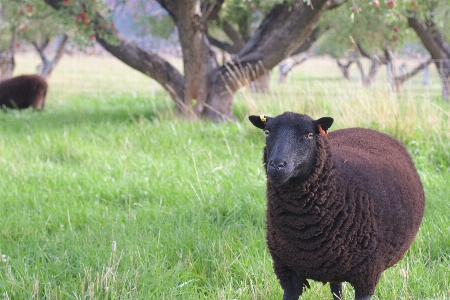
(277, 165)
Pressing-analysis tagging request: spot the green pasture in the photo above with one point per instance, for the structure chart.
(109, 162)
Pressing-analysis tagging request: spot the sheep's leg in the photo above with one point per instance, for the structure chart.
(293, 288)
(291, 283)
(366, 283)
(336, 290)
(363, 294)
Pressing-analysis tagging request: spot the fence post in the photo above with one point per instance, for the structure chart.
(426, 75)
(390, 79)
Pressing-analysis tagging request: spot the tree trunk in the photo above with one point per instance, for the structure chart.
(7, 65)
(391, 66)
(47, 66)
(444, 73)
(288, 64)
(198, 58)
(373, 71)
(283, 30)
(296, 59)
(375, 61)
(7, 62)
(345, 68)
(426, 76)
(399, 80)
(438, 48)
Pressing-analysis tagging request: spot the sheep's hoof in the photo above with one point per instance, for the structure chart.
(288, 296)
(336, 290)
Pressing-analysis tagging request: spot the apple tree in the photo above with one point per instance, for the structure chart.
(379, 27)
(370, 29)
(206, 88)
(32, 22)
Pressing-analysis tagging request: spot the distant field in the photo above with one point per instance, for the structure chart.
(109, 162)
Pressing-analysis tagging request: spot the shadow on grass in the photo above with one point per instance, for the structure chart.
(60, 117)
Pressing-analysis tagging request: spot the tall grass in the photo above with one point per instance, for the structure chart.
(183, 202)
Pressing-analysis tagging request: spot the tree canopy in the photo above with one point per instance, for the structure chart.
(373, 29)
(33, 22)
(260, 34)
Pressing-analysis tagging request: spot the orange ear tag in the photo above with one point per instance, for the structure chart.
(321, 131)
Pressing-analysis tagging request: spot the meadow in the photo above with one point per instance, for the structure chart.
(108, 194)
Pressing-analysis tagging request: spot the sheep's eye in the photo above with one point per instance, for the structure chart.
(310, 135)
(266, 132)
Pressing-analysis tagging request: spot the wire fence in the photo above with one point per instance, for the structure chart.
(425, 79)
(100, 76)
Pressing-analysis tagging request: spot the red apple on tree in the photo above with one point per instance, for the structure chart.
(29, 7)
(376, 3)
(391, 4)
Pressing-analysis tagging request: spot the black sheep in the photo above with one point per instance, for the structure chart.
(23, 91)
(340, 208)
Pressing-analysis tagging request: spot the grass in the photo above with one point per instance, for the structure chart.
(183, 202)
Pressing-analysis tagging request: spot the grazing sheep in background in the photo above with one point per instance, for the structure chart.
(23, 91)
(340, 208)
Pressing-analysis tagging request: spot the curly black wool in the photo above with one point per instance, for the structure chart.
(351, 216)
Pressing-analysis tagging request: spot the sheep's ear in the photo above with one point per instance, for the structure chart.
(259, 121)
(322, 125)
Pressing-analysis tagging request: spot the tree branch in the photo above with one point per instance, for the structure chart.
(284, 30)
(427, 38)
(307, 44)
(40, 50)
(146, 62)
(134, 56)
(399, 80)
(222, 45)
(235, 37)
(210, 10)
(439, 38)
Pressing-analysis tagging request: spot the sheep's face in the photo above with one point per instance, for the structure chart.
(290, 144)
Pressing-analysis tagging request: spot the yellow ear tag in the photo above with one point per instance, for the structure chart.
(263, 118)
